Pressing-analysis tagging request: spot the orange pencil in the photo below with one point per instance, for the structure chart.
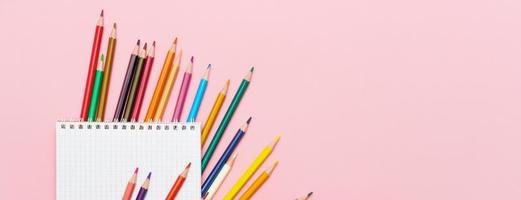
(258, 182)
(158, 92)
(178, 183)
(130, 186)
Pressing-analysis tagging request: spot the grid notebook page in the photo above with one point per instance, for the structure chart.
(95, 160)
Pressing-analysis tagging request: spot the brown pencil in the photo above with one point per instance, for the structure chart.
(143, 83)
(109, 60)
(136, 78)
(305, 197)
(118, 114)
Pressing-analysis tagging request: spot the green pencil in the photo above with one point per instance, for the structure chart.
(96, 90)
(226, 119)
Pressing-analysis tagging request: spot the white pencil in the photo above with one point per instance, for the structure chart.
(220, 178)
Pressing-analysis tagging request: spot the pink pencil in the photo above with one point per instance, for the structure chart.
(130, 186)
(183, 91)
(143, 83)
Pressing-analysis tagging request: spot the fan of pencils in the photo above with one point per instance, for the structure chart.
(130, 102)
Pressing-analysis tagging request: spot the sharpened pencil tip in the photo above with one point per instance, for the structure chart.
(192, 59)
(309, 194)
(154, 43)
(149, 175)
(249, 120)
(227, 82)
(252, 68)
(101, 15)
(188, 166)
(209, 66)
(175, 40)
(138, 42)
(102, 57)
(145, 46)
(136, 170)
(114, 25)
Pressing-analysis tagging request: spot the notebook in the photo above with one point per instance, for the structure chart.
(95, 160)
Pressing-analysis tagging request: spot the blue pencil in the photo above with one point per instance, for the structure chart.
(226, 155)
(199, 95)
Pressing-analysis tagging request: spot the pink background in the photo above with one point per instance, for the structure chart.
(376, 99)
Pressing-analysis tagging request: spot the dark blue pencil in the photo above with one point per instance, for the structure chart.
(222, 161)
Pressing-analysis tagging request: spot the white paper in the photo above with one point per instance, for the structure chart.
(97, 163)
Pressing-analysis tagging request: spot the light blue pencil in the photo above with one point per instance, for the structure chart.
(199, 95)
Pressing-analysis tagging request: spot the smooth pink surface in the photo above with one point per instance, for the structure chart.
(376, 99)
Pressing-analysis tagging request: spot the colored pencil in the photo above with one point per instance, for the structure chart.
(138, 71)
(224, 157)
(160, 85)
(143, 83)
(170, 80)
(251, 170)
(178, 183)
(199, 95)
(125, 87)
(220, 178)
(226, 119)
(96, 45)
(254, 187)
(130, 186)
(210, 120)
(183, 91)
(107, 70)
(144, 188)
(305, 197)
(96, 90)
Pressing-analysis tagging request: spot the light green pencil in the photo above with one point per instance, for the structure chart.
(96, 90)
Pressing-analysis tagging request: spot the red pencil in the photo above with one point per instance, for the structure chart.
(143, 83)
(98, 34)
(178, 183)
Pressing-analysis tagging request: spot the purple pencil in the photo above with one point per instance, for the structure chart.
(183, 92)
(144, 188)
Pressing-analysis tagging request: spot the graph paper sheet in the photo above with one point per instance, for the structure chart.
(95, 160)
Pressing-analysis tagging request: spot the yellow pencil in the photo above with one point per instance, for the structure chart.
(251, 170)
(258, 182)
(158, 92)
(213, 114)
(161, 106)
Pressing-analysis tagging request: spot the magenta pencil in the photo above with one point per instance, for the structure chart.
(143, 83)
(185, 85)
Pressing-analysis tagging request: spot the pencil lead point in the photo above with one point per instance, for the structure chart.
(192, 59)
(209, 66)
(175, 40)
(154, 43)
(102, 57)
(101, 15)
(145, 46)
(249, 120)
(309, 194)
(252, 68)
(138, 41)
(228, 82)
(136, 170)
(149, 175)
(114, 25)
(188, 166)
